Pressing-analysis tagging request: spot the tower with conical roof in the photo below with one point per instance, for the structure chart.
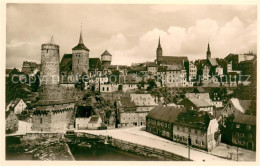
(159, 52)
(106, 59)
(80, 58)
(208, 52)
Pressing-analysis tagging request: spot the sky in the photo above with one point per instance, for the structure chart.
(130, 32)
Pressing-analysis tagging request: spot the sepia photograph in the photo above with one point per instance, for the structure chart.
(130, 82)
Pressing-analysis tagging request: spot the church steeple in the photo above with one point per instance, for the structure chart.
(159, 43)
(80, 38)
(81, 45)
(159, 51)
(208, 52)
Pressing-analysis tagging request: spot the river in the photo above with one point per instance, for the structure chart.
(97, 152)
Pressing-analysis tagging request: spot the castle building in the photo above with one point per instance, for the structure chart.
(168, 60)
(106, 59)
(55, 108)
(80, 58)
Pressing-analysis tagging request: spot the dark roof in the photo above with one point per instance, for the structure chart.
(80, 46)
(151, 64)
(95, 63)
(178, 60)
(175, 67)
(167, 113)
(106, 53)
(66, 63)
(162, 68)
(245, 119)
(7, 113)
(93, 119)
(245, 104)
(193, 119)
(126, 101)
(8, 71)
(15, 71)
(213, 62)
(84, 112)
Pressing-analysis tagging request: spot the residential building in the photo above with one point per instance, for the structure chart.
(175, 76)
(151, 68)
(11, 122)
(202, 129)
(234, 107)
(198, 103)
(160, 120)
(144, 102)
(244, 132)
(83, 116)
(17, 105)
(30, 68)
(128, 114)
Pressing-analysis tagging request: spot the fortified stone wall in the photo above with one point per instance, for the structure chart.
(52, 117)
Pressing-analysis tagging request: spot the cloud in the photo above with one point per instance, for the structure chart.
(233, 37)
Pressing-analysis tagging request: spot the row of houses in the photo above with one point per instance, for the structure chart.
(179, 124)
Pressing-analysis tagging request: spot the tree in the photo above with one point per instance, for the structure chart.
(151, 84)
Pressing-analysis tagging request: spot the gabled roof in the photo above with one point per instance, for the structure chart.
(177, 60)
(167, 113)
(245, 119)
(200, 102)
(241, 105)
(151, 64)
(162, 68)
(194, 119)
(126, 101)
(66, 63)
(8, 71)
(14, 103)
(175, 67)
(7, 113)
(95, 64)
(213, 62)
(15, 71)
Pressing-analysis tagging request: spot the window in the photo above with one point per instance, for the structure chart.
(169, 126)
(41, 120)
(195, 131)
(196, 142)
(238, 126)
(237, 141)
(202, 143)
(249, 135)
(177, 127)
(242, 135)
(248, 127)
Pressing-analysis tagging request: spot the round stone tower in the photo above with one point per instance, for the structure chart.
(50, 60)
(106, 59)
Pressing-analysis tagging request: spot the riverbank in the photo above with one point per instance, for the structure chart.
(39, 149)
